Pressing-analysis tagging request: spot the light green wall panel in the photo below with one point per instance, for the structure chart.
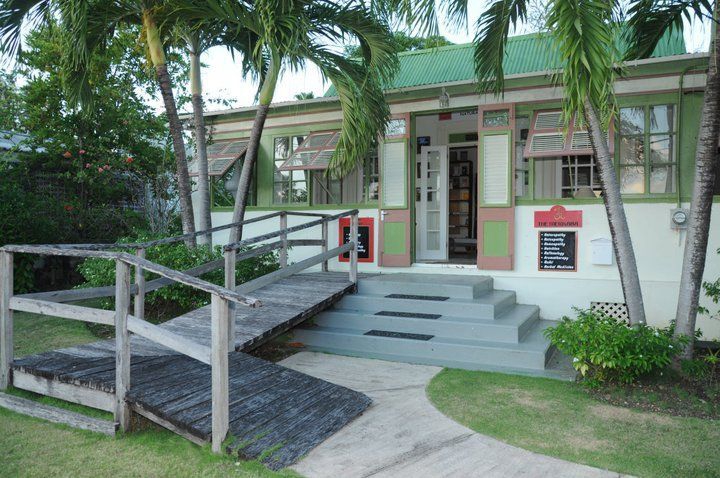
(495, 238)
(394, 239)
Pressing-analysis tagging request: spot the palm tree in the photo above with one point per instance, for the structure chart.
(651, 19)
(584, 33)
(291, 33)
(89, 25)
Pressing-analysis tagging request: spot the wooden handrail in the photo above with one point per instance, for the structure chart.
(289, 230)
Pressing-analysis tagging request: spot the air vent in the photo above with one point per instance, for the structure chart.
(549, 120)
(547, 143)
(580, 140)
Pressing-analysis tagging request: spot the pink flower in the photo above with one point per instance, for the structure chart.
(82, 151)
(68, 207)
(87, 165)
(100, 170)
(67, 155)
(106, 167)
(129, 160)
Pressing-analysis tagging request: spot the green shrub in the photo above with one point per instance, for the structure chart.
(606, 349)
(177, 298)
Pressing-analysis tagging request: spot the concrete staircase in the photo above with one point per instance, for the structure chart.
(448, 320)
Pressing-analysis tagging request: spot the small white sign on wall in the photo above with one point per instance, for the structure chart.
(601, 251)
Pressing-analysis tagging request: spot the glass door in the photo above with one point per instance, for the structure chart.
(432, 230)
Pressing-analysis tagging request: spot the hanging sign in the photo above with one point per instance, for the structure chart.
(557, 251)
(365, 242)
(558, 216)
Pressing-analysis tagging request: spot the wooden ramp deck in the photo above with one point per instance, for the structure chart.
(276, 414)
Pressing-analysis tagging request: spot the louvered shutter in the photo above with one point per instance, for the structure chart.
(496, 170)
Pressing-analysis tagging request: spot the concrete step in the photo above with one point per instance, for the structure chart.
(530, 355)
(488, 305)
(510, 327)
(460, 287)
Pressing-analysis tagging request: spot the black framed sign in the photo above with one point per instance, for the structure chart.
(557, 251)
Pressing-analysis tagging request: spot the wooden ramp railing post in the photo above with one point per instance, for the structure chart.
(354, 252)
(324, 244)
(220, 379)
(230, 264)
(122, 344)
(139, 300)
(283, 240)
(6, 318)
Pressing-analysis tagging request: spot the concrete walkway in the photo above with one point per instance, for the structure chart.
(403, 435)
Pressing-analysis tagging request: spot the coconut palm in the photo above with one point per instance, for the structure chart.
(89, 24)
(650, 19)
(584, 33)
(292, 33)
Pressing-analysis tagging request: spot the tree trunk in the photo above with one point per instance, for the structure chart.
(204, 219)
(157, 55)
(698, 229)
(265, 98)
(624, 253)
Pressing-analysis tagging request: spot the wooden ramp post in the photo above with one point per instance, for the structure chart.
(283, 240)
(220, 372)
(354, 224)
(139, 300)
(6, 318)
(230, 264)
(122, 344)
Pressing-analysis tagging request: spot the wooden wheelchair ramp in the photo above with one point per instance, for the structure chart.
(190, 374)
(277, 415)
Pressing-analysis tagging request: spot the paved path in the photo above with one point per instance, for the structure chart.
(403, 435)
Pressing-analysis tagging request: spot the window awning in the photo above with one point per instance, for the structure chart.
(548, 136)
(313, 153)
(223, 154)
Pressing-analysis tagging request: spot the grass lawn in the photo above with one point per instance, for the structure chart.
(561, 419)
(32, 447)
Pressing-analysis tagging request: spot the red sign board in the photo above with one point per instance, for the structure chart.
(365, 242)
(558, 216)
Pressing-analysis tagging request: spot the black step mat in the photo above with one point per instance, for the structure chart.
(438, 298)
(410, 315)
(398, 335)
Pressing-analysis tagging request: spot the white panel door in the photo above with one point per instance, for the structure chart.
(432, 214)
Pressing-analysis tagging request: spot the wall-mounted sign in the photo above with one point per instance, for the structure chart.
(557, 251)
(422, 141)
(558, 216)
(459, 115)
(366, 241)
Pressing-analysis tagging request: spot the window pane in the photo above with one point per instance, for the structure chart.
(662, 118)
(299, 192)
(396, 127)
(495, 118)
(280, 193)
(632, 151)
(318, 140)
(632, 120)
(281, 148)
(297, 141)
(661, 148)
(662, 179)
(632, 180)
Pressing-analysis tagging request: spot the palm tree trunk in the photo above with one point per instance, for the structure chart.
(204, 219)
(157, 55)
(624, 253)
(698, 229)
(265, 98)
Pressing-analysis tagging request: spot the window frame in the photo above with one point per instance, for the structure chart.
(290, 180)
(647, 163)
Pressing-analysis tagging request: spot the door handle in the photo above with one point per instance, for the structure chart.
(382, 215)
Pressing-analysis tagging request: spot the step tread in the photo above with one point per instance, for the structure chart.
(444, 279)
(491, 297)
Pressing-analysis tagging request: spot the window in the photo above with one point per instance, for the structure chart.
(496, 118)
(522, 163)
(566, 177)
(360, 186)
(646, 155)
(396, 127)
(289, 187)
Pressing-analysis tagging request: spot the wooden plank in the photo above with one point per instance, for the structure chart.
(169, 339)
(230, 267)
(283, 240)
(305, 242)
(220, 370)
(255, 284)
(65, 311)
(354, 251)
(73, 295)
(56, 415)
(139, 294)
(138, 408)
(122, 344)
(6, 318)
(324, 245)
(160, 282)
(307, 214)
(64, 391)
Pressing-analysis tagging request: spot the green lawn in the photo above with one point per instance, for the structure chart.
(560, 419)
(32, 447)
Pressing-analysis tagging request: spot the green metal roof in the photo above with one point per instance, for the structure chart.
(529, 53)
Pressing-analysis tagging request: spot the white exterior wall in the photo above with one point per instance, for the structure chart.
(658, 248)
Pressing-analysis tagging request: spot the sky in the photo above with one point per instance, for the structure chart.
(222, 78)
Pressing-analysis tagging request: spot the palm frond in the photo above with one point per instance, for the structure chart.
(493, 29)
(14, 14)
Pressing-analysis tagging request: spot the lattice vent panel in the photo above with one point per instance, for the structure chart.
(617, 310)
